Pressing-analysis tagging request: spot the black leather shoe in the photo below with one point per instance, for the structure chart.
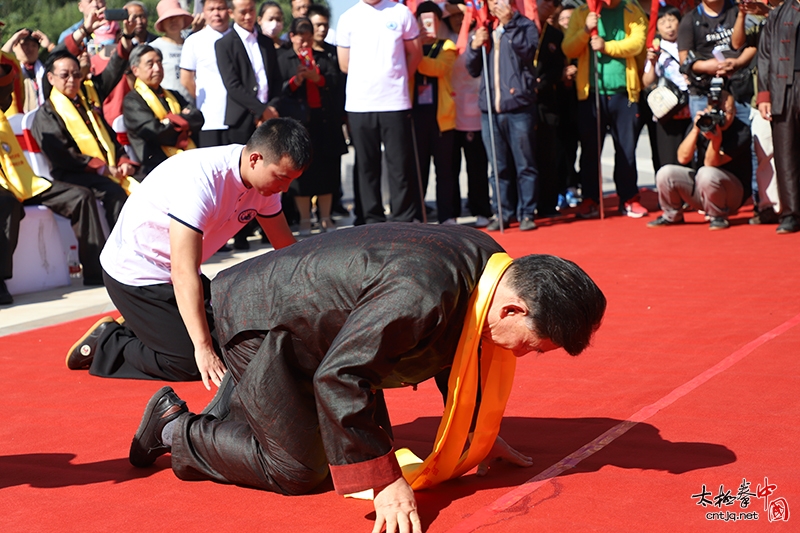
(219, 406)
(788, 224)
(81, 355)
(163, 408)
(5, 296)
(527, 224)
(494, 225)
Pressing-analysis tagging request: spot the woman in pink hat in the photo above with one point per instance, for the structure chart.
(172, 20)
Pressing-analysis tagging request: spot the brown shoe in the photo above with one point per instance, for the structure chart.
(81, 355)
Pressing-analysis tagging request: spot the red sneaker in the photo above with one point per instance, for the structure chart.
(633, 208)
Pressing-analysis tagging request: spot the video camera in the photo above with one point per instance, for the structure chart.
(714, 117)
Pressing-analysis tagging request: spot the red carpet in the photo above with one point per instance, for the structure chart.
(681, 301)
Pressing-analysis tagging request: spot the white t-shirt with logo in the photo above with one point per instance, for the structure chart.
(201, 189)
(377, 76)
(199, 55)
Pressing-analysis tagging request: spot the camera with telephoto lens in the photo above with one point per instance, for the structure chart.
(715, 116)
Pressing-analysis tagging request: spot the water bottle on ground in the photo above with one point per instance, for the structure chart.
(73, 262)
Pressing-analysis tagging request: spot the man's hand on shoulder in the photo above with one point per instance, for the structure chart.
(396, 508)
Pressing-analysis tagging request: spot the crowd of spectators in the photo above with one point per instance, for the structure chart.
(516, 97)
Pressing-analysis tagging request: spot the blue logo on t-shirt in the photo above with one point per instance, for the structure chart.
(391, 25)
(247, 215)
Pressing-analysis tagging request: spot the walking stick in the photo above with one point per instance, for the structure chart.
(419, 172)
(491, 139)
(599, 138)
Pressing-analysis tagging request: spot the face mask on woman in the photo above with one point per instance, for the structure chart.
(272, 27)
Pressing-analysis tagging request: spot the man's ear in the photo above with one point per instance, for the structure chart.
(513, 307)
(253, 158)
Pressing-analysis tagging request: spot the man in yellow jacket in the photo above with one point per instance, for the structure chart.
(616, 38)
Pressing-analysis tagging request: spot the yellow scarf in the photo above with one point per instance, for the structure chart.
(86, 141)
(449, 458)
(157, 108)
(16, 175)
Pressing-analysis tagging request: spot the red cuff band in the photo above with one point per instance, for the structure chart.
(763, 97)
(356, 477)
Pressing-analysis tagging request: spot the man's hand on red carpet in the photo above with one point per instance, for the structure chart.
(396, 508)
(502, 451)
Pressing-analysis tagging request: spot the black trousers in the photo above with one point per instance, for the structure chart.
(153, 342)
(70, 201)
(471, 143)
(547, 156)
(393, 129)
(111, 195)
(209, 138)
(786, 142)
(437, 144)
(280, 451)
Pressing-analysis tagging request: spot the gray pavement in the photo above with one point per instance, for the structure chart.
(39, 309)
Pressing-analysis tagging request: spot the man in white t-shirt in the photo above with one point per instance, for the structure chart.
(379, 50)
(200, 75)
(187, 208)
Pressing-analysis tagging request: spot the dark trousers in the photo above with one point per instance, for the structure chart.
(393, 129)
(282, 452)
(618, 116)
(153, 342)
(209, 138)
(669, 135)
(514, 137)
(547, 157)
(437, 144)
(111, 195)
(471, 143)
(75, 203)
(786, 142)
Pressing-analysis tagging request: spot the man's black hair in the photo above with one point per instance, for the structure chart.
(429, 7)
(667, 9)
(318, 9)
(301, 25)
(57, 55)
(140, 50)
(279, 137)
(566, 306)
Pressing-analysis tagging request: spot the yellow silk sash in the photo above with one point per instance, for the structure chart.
(17, 175)
(87, 142)
(158, 110)
(456, 450)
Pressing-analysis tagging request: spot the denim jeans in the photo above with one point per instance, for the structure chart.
(514, 137)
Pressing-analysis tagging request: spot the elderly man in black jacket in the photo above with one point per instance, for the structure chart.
(314, 332)
(779, 102)
(511, 92)
(160, 123)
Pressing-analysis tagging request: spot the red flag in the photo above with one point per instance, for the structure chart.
(595, 6)
(530, 9)
(477, 11)
(651, 25)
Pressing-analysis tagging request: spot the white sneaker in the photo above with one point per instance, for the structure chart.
(449, 222)
(481, 222)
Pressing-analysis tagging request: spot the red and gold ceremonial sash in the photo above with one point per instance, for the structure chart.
(17, 175)
(160, 112)
(97, 145)
(456, 450)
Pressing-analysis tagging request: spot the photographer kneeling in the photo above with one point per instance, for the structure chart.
(718, 167)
